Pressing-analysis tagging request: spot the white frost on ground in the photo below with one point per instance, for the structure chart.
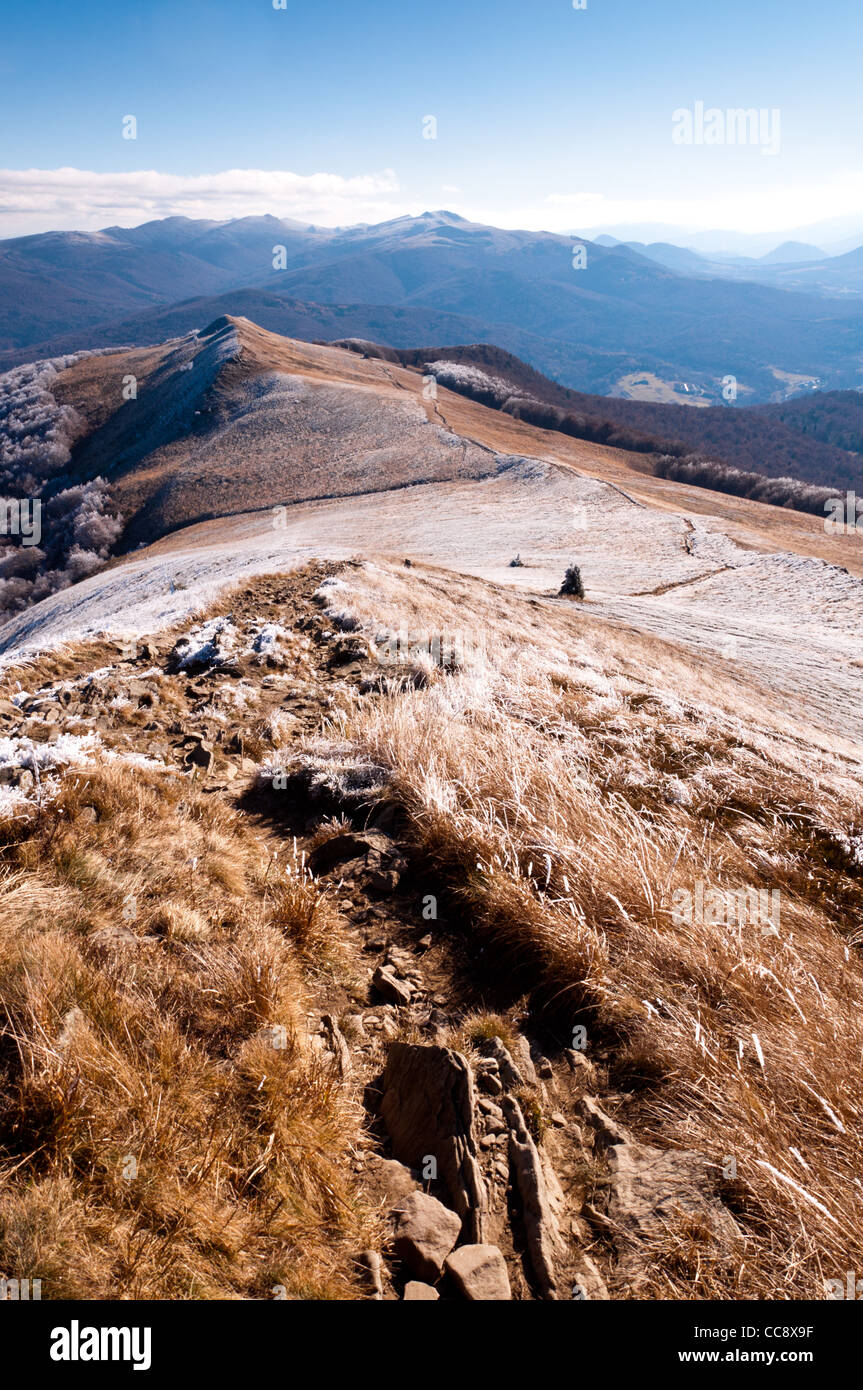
(337, 613)
(791, 622)
(266, 641)
(458, 376)
(66, 750)
(552, 516)
(49, 761)
(209, 644)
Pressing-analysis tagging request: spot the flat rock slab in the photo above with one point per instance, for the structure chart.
(479, 1273)
(339, 849)
(420, 1293)
(389, 1180)
(540, 1222)
(606, 1130)
(426, 1232)
(428, 1109)
(510, 1075)
(653, 1191)
(589, 1285)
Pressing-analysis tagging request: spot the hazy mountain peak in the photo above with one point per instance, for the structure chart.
(442, 215)
(792, 252)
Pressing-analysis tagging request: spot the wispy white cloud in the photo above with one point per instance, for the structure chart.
(39, 199)
(36, 200)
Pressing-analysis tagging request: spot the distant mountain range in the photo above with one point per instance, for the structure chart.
(685, 258)
(832, 237)
(793, 266)
(634, 320)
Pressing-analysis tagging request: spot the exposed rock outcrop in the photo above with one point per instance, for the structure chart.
(651, 1191)
(538, 1199)
(428, 1109)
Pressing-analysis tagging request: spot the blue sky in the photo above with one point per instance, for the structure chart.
(547, 116)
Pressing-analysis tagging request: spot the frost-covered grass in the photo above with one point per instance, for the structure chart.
(207, 644)
(78, 524)
(330, 594)
(64, 751)
(457, 376)
(35, 431)
(266, 642)
(47, 763)
(216, 641)
(779, 492)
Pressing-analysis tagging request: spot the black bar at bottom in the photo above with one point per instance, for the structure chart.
(291, 1340)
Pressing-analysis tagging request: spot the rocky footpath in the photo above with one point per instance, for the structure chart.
(490, 1153)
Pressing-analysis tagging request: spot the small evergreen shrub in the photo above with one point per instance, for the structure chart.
(572, 586)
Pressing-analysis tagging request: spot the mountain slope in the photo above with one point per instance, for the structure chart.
(224, 422)
(793, 253)
(817, 438)
(404, 810)
(59, 282)
(294, 318)
(620, 302)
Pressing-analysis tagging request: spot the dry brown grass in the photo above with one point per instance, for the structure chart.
(479, 1027)
(560, 801)
(305, 914)
(560, 787)
(165, 1132)
(65, 663)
